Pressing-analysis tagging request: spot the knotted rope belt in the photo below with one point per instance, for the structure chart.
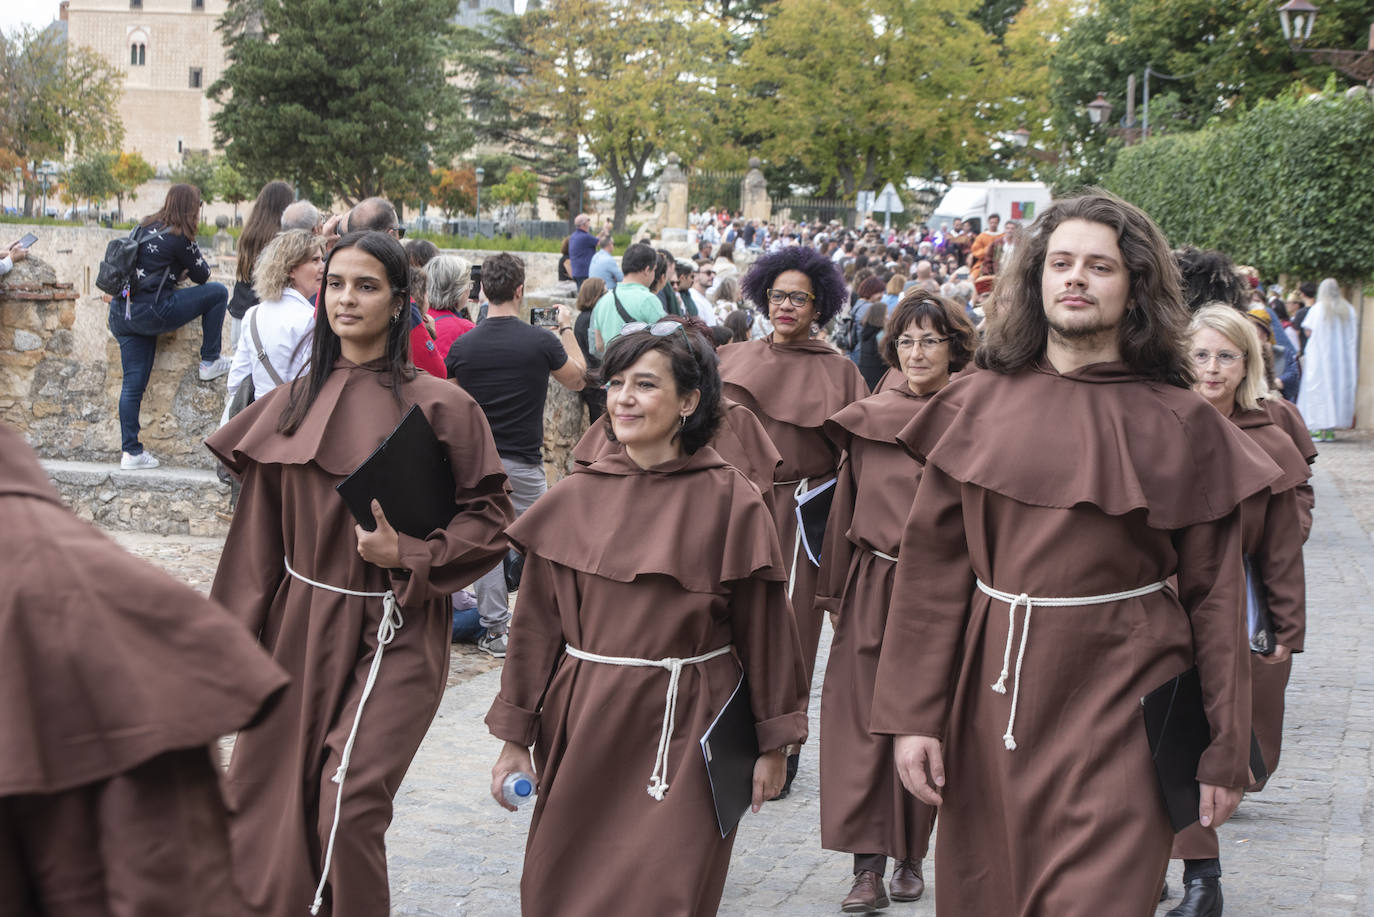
(876, 553)
(1030, 602)
(386, 631)
(803, 486)
(658, 780)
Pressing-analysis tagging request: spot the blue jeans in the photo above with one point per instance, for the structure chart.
(137, 337)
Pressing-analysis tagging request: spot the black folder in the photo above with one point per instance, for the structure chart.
(409, 475)
(813, 512)
(1178, 732)
(1258, 620)
(731, 747)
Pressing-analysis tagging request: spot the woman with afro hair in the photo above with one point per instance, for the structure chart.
(793, 383)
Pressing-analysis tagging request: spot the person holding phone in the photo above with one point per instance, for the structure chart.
(16, 253)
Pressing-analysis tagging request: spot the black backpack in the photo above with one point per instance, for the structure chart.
(844, 335)
(116, 270)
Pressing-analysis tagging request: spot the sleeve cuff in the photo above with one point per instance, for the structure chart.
(510, 723)
(788, 729)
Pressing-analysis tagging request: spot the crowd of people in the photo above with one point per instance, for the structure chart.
(1101, 434)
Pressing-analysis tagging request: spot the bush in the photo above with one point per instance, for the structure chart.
(1286, 187)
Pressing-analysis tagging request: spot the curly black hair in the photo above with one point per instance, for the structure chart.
(827, 283)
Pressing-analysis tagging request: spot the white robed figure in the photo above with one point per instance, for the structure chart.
(1327, 396)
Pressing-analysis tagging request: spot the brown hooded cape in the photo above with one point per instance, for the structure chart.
(793, 389)
(864, 807)
(673, 561)
(115, 681)
(279, 779)
(1081, 484)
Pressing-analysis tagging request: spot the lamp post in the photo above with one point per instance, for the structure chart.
(18, 187)
(481, 173)
(1296, 18)
(45, 172)
(1099, 110)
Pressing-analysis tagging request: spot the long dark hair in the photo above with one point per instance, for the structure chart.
(325, 349)
(694, 367)
(1153, 334)
(264, 222)
(180, 211)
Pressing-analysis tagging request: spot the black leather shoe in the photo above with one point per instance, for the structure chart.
(792, 762)
(1164, 892)
(1201, 898)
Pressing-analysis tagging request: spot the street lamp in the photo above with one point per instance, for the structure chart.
(1020, 138)
(46, 171)
(1296, 18)
(18, 187)
(481, 173)
(1099, 109)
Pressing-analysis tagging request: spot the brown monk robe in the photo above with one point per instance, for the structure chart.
(115, 681)
(864, 807)
(740, 440)
(1273, 537)
(1285, 416)
(1078, 485)
(793, 389)
(675, 561)
(279, 780)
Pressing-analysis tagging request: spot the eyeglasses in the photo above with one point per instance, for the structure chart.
(927, 343)
(400, 232)
(659, 329)
(1223, 357)
(800, 298)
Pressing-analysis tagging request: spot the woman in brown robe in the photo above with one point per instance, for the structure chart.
(658, 556)
(793, 384)
(865, 810)
(1226, 353)
(115, 682)
(294, 548)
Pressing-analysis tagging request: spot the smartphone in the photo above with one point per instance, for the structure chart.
(25, 242)
(544, 316)
(475, 293)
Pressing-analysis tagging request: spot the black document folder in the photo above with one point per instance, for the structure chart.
(409, 475)
(731, 748)
(1178, 732)
(813, 512)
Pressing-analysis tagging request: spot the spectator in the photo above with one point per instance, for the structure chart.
(686, 280)
(449, 283)
(12, 257)
(725, 262)
(264, 222)
(665, 283)
(155, 306)
(593, 396)
(286, 278)
(871, 365)
(738, 322)
(1327, 397)
(564, 261)
(982, 251)
(302, 215)
(631, 301)
(895, 285)
(702, 279)
(603, 264)
(925, 278)
(504, 364)
(581, 247)
(869, 293)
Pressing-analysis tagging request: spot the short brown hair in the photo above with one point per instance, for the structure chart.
(502, 275)
(1153, 334)
(947, 318)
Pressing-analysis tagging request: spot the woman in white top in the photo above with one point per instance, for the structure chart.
(1327, 395)
(285, 279)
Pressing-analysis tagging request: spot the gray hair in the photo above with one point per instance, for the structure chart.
(300, 215)
(450, 278)
(375, 213)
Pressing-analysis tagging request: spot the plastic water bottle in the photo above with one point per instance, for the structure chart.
(517, 789)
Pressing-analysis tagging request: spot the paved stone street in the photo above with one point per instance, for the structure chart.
(1301, 847)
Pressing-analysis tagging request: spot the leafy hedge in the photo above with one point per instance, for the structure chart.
(1287, 187)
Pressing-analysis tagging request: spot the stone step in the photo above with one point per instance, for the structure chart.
(160, 501)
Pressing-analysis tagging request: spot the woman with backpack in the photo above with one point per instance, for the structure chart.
(152, 304)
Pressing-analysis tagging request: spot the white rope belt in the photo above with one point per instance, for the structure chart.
(876, 553)
(1030, 602)
(802, 487)
(658, 780)
(386, 631)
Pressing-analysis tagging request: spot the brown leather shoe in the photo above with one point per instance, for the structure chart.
(907, 884)
(867, 894)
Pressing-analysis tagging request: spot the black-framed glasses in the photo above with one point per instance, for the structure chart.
(800, 298)
(659, 329)
(400, 232)
(927, 344)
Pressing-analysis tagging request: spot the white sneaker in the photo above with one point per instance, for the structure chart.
(214, 370)
(137, 462)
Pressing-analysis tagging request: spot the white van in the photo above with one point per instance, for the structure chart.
(977, 200)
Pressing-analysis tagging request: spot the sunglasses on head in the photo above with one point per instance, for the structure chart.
(660, 329)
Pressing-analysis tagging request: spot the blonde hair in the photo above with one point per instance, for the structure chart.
(1236, 328)
(279, 258)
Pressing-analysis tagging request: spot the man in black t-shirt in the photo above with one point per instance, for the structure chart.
(505, 364)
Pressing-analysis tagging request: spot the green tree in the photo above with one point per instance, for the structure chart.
(520, 186)
(58, 100)
(92, 178)
(346, 95)
(199, 170)
(231, 185)
(131, 171)
(868, 91)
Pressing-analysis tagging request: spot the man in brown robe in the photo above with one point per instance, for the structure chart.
(1078, 469)
(115, 681)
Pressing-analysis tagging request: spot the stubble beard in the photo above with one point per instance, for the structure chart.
(1090, 334)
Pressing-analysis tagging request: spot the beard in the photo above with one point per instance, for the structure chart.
(1091, 327)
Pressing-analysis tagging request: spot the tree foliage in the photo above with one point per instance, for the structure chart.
(868, 91)
(350, 96)
(91, 179)
(1285, 187)
(519, 187)
(130, 172)
(198, 170)
(454, 190)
